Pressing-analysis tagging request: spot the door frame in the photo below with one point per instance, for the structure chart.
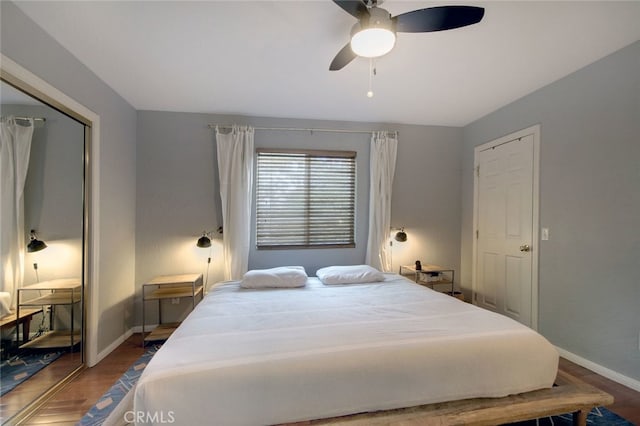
(20, 77)
(535, 235)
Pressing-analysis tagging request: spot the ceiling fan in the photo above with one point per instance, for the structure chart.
(375, 32)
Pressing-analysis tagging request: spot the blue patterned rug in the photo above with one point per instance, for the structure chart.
(110, 400)
(22, 367)
(599, 416)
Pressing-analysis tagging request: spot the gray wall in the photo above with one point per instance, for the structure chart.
(589, 290)
(177, 193)
(28, 45)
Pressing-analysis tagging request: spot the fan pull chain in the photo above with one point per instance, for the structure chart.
(372, 72)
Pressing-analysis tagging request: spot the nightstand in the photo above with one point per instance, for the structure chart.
(169, 287)
(430, 276)
(51, 293)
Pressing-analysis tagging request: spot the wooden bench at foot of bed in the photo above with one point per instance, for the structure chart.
(570, 395)
(11, 320)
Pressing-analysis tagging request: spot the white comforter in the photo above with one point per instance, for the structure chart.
(250, 357)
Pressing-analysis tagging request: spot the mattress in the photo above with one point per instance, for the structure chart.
(269, 356)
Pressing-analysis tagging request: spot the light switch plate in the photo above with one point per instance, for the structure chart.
(545, 234)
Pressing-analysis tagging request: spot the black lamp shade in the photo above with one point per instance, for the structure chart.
(35, 244)
(204, 242)
(401, 236)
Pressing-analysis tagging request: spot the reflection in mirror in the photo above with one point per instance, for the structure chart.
(42, 154)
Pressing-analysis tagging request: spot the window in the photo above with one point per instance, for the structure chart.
(305, 199)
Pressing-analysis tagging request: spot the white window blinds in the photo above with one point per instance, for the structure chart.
(305, 199)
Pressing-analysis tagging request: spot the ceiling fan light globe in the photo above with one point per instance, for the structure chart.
(373, 42)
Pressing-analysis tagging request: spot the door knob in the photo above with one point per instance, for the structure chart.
(525, 247)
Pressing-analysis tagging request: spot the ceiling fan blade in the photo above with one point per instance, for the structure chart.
(344, 56)
(353, 7)
(438, 18)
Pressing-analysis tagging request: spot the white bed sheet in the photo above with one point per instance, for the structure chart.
(268, 356)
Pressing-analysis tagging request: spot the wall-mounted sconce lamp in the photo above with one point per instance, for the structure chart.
(35, 244)
(205, 240)
(401, 236)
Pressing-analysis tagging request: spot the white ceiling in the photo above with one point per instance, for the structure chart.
(271, 58)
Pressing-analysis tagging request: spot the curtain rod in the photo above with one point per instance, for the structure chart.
(27, 118)
(299, 129)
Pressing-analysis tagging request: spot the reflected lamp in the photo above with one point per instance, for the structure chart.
(35, 244)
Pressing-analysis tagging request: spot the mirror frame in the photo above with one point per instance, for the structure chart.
(27, 82)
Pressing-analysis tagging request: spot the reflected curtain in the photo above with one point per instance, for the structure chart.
(382, 168)
(235, 168)
(15, 148)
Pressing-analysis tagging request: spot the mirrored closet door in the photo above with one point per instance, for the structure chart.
(42, 248)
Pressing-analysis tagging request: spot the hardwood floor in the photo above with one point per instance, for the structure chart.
(70, 404)
(31, 389)
(626, 401)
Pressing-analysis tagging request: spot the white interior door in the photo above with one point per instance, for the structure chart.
(505, 228)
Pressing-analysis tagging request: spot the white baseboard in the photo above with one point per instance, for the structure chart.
(106, 351)
(603, 371)
(147, 328)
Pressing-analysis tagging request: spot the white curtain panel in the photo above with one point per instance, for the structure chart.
(384, 147)
(15, 148)
(235, 167)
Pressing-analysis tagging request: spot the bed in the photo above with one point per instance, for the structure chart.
(274, 356)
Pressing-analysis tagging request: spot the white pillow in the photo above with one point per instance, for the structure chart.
(351, 274)
(5, 303)
(280, 277)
